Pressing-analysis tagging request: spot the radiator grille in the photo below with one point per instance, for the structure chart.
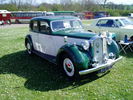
(99, 50)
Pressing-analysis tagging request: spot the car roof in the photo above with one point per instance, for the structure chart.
(52, 18)
(112, 17)
(95, 21)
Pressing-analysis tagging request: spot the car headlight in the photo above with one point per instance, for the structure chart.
(112, 55)
(85, 45)
(109, 41)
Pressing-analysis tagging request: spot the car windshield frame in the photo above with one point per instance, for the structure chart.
(70, 26)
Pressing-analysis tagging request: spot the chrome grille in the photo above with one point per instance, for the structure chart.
(99, 50)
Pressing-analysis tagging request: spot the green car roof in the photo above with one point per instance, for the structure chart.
(52, 18)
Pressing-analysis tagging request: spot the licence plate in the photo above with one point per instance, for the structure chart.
(104, 69)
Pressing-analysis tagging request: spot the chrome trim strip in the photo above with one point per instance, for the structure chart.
(109, 63)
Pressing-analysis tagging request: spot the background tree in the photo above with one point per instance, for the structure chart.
(68, 5)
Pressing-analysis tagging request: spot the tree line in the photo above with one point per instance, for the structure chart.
(67, 5)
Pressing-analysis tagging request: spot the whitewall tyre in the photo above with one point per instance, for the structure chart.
(68, 67)
(29, 48)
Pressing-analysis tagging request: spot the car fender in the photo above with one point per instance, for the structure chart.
(80, 58)
(113, 36)
(28, 37)
(114, 48)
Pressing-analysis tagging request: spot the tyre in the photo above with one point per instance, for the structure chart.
(68, 67)
(29, 47)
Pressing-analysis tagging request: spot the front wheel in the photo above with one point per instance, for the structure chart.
(68, 67)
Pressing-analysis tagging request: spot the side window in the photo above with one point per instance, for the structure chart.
(44, 27)
(118, 23)
(106, 23)
(102, 23)
(110, 23)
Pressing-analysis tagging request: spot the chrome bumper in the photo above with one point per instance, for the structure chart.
(109, 63)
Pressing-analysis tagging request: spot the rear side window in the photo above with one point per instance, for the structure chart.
(34, 26)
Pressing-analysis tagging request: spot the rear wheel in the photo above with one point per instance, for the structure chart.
(29, 47)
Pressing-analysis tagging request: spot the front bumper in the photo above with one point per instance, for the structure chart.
(109, 63)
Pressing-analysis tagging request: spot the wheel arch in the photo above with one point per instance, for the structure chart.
(28, 38)
(81, 59)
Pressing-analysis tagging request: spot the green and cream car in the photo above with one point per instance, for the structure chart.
(63, 41)
(118, 26)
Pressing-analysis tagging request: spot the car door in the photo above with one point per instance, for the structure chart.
(35, 32)
(46, 39)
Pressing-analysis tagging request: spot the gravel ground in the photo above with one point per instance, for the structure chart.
(14, 25)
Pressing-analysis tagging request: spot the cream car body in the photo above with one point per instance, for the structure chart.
(121, 26)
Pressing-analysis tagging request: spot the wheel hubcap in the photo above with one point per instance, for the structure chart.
(68, 67)
(28, 48)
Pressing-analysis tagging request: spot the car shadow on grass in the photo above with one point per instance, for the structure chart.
(40, 74)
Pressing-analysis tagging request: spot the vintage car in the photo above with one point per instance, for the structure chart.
(63, 41)
(119, 26)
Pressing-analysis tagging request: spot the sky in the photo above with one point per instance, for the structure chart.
(129, 2)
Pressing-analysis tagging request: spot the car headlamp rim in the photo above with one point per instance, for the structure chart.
(109, 41)
(112, 55)
(85, 45)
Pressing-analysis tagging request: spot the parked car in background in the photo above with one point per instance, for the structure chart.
(63, 41)
(121, 26)
(131, 15)
(101, 14)
(5, 17)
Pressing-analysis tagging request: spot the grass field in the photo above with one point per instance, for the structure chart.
(87, 21)
(23, 77)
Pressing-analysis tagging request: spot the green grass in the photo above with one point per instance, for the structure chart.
(87, 21)
(23, 77)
